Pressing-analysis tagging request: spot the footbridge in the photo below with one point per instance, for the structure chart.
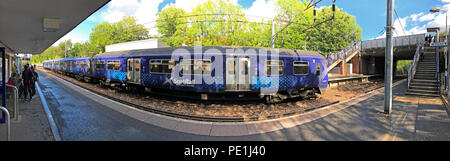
(367, 57)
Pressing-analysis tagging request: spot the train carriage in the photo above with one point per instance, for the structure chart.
(288, 73)
(82, 69)
(110, 70)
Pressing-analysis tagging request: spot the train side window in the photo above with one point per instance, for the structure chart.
(161, 66)
(301, 68)
(113, 64)
(130, 64)
(275, 65)
(77, 64)
(82, 64)
(137, 66)
(231, 67)
(195, 66)
(100, 64)
(187, 67)
(202, 66)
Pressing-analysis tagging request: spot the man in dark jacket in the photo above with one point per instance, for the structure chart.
(33, 80)
(27, 76)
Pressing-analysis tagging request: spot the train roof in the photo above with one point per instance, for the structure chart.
(204, 48)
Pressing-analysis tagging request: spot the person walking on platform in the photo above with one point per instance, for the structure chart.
(19, 85)
(27, 76)
(33, 80)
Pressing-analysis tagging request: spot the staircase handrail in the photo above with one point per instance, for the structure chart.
(437, 71)
(342, 54)
(413, 65)
(351, 50)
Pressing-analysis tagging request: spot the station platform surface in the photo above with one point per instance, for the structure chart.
(347, 77)
(33, 124)
(81, 115)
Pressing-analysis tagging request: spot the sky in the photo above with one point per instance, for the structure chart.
(412, 16)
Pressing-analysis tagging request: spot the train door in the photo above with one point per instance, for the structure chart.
(237, 74)
(71, 66)
(134, 70)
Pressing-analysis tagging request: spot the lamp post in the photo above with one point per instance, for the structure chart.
(447, 58)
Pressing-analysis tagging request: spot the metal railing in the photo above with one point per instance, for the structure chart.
(437, 70)
(15, 101)
(8, 123)
(412, 66)
(351, 50)
(342, 54)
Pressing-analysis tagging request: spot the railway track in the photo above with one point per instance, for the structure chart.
(199, 117)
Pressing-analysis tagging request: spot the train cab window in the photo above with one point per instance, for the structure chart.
(100, 64)
(274, 68)
(301, 68)
(161, 66)
(113, 64)
(318, 69)
(88, 63)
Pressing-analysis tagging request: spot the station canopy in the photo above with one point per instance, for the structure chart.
(33, 26)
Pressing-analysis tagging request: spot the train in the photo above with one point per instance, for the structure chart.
(221, 72)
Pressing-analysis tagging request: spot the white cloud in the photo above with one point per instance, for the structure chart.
(116, 9)
(415, 17)
(144, 11)
(261, 8)
(427, 17)
(425, 20)
(74, 37)
(189, 5)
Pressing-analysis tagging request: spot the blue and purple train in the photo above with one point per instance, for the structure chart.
(212, 73)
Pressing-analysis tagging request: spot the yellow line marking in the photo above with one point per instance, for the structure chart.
(434, 101)
(407, 99)
(387, 137)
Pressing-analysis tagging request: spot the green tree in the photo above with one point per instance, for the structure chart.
(110, 33)
(216, 23)
(292, 19)
(168, 20)
(171, 25)
(315, 34)
(336, 34)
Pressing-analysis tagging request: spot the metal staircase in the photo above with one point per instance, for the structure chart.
(425, 79)
(333, 59)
